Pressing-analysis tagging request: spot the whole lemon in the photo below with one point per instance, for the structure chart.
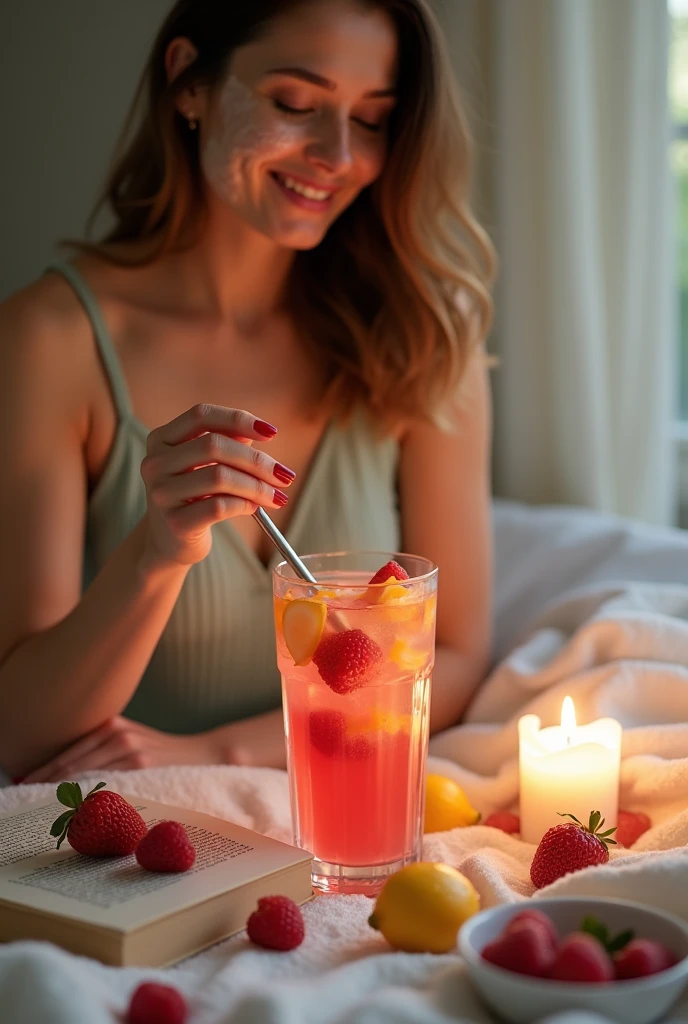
(421, 907)
(446, 805)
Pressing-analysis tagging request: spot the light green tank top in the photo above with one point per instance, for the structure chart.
(215, 661)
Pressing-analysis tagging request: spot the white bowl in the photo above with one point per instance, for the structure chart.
(522, 999)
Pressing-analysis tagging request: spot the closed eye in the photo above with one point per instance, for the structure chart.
(292, 110)
(296, 111)
(369, 126)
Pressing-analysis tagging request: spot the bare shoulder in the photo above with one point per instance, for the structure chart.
(42, 312)
(46, 340)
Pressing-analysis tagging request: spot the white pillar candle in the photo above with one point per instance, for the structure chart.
(567, 769)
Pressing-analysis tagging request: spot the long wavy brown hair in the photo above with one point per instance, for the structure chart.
(396, 296)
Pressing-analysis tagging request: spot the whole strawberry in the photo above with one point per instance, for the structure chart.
(276, 924)
(153, 1003)
(570, 847)
(345, 660)
(390, 570)
(582, 958)
(166, 847)
(505, 821)
(535, 919)
(99, 824)
(630, 827)
(642, 957)
(525, 948)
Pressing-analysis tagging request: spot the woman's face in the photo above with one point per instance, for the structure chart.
(298, 126)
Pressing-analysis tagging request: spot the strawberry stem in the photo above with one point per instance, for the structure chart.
(593, 826)
(599, 931)
(69, 794)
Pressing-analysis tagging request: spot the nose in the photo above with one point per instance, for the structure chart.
(330, 148)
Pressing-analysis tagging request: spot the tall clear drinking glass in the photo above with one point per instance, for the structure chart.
(356, 662)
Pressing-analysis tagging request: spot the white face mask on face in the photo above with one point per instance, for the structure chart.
(242, 137)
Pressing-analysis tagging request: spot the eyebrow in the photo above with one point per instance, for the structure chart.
(325, 83)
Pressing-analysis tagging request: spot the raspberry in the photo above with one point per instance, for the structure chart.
(152, 1003)
(582, 958)
(391, 570)
(358, 748)
(276, 924)
(166, 847)
(569, 847)
(504, 820)
(642, 957)
(101, 824)
(327, 730)
(345, 660)
(525, 949)
(630, 827)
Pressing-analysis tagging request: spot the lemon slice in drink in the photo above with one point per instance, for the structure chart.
(396, 602)
(409, 659)
(392, 593)
(302, 626)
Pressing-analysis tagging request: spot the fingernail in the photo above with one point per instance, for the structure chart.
(17, 779)
(280, 498)
(286, 476)
(264, 429)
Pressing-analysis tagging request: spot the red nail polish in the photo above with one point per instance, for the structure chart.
(18, 779)
(284, 475)
(264, 429)
(280, 498)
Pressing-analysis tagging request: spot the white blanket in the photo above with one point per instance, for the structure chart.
(619, 650)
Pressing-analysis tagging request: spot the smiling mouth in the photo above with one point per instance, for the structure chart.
(298, 188)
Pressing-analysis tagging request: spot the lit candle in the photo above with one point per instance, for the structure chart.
(567, 769)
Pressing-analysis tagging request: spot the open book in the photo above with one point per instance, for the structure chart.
(114, 910)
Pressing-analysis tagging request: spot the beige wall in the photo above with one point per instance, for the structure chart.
(68, 69)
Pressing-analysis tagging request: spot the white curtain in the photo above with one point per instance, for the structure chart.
(569, 99)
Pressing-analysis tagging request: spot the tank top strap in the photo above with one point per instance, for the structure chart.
(106, 349)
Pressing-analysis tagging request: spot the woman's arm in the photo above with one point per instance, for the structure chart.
(253, 741)
(120, 744)
(445, 513)
(65, 664)
(69, 664)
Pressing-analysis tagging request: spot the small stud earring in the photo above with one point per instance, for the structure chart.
(193, 124)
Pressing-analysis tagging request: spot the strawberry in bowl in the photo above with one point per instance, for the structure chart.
(622, 960)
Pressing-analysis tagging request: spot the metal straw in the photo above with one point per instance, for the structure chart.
(282, 545)
(335, 619)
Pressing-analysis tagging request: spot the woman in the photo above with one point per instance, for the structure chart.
(286, 250)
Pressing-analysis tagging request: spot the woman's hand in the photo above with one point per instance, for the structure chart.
(200, 468)
(121, 744)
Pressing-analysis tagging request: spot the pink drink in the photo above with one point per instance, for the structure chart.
(356, 756)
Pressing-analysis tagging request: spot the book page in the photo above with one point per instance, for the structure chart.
(118, 892)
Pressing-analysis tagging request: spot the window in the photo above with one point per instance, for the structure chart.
(678, 100)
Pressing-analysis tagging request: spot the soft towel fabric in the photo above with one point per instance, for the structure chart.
(617, 650)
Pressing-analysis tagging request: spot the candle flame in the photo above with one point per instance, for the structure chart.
(568, 719)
